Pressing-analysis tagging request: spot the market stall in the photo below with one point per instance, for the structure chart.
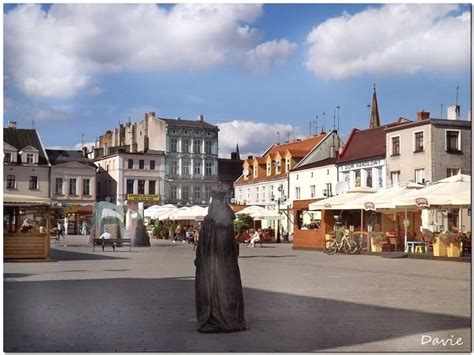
(26, 227)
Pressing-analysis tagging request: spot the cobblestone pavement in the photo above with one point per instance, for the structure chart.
(295, 301)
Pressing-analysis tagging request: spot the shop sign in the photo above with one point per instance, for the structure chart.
(369, 206)
(362, 164)
(327, 205)
(143, 198)
(422, 202)
(406, 223)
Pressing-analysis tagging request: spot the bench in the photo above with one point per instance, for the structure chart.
(113, 242)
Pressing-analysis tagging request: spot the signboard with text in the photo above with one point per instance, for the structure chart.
(369, 206)
(143, 198)
(422, 202)
(363, 164)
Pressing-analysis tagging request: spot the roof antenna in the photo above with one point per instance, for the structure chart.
(288, 136)
(82, 139)
(33, 123)
(316, 125)
(337, 108)
(441, 116)
(310, 128)
(278, 134)
(457, 94)
(324, 123)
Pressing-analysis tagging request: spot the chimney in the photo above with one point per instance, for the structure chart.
(84, 152)
(149, 114)
(468, 116)
(250, 157)
(454, 112)
(12, 124)
(201, 118)
(422, 115)
(178, 118)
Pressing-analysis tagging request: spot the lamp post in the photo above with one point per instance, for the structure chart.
(278, 200)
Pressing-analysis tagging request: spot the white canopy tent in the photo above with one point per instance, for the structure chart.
(259, 213)
(168, 214)
(155, 211)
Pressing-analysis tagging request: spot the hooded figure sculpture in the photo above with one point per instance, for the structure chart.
(219, 298)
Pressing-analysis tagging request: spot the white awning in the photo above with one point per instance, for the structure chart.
(14, 199)
(339, 202)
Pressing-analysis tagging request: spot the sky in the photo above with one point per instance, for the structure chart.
(262, 73)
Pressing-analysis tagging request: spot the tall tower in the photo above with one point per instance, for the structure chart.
(374, 112)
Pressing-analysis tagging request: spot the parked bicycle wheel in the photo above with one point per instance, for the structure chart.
(330, 247)
(354, 247)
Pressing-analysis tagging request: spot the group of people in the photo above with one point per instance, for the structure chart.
(185, 234)
(255, 237)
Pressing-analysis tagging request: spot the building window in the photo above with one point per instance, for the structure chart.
(174, 193)
(174, 145)
(288, 164)
(419, 176)
(329, 189)
(130, 163)
(174, 167)
(298, 193)
(208, 170)
(395, 178)
(395, 146)
(11, 182)
(7, 158)
(197, 168)
(269, 169)
(248, 195)
(141, 164)
(357, 178)
(257, 194)
(86, 187)
(452, 171)
(197, 192)
(185, 145)
(313, 191)
(152, 165)
(379, 177)
(141, 186)
(208, 193)
(186, 167)
(297, 177)
(152, 187)
(346, 177)
(255, 170)
(278, 166)
(453, 143)
(130, 186)
(58, 187)
(29, 158)
(419, 141)
(197, 146)
(368, 178)
(208, 147)
(72, 186)
(263, 194)
(185, 193)
(33, 185)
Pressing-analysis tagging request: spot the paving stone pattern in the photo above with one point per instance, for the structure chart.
(295, 301)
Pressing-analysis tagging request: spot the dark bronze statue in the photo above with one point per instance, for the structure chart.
(219, 298)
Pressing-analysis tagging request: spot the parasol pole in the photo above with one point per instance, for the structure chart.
(405, 227)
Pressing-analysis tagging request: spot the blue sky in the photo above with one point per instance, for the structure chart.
(254, 70)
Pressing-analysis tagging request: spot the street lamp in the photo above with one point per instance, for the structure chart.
(278, 200)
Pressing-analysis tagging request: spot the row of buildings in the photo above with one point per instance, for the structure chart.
(160, 160)
(290, 176)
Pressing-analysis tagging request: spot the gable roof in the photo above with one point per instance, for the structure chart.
(300, 147)
(187, 123)
(59, 156)
(21, 138)
(364, 144)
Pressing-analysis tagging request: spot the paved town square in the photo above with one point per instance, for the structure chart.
(295, 301)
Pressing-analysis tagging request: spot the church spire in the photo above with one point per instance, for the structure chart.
(374, 112)
(237, 152)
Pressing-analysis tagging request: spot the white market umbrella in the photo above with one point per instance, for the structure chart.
(190, 213)
(441, 193)
(340, 202)
(167, 214)
(259, 213)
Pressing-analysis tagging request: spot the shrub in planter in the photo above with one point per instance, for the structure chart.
(376, 241)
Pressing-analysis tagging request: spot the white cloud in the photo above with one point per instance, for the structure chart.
(253, 137)
(265, 54)
(60, 52)
(389, 40)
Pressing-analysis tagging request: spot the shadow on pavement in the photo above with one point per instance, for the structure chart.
(65, 255)
(15, 275)
(141, 315)
(267, 256)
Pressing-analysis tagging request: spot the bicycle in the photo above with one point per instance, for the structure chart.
(345, 244)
